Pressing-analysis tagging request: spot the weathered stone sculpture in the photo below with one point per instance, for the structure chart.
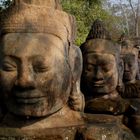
(40, 71)
(98, 31)
(130, 60)
(127, 43)
(136, 41)
(21, 21)
(38, 67)
(131, 86)
(100, 75)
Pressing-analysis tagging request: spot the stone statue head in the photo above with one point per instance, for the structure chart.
(37, 58)
(130, 59)
(101, 63)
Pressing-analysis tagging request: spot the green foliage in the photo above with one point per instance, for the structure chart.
(4, 4)
(85, 11)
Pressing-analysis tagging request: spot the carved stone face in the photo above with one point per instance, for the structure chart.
(100, 73)
(130, 68)
(35, 76)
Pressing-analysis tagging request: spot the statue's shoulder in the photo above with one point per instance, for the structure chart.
(137, 86)
(104, 127)
(138, 83)
(77, 125)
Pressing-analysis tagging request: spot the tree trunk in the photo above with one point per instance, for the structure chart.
(126, 18)
(136, 17)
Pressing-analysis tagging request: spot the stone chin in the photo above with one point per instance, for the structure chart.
(103, 89)
(99, 91)
(127, 77)
(38, 109)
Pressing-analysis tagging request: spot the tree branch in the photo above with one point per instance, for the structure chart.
(134, 13)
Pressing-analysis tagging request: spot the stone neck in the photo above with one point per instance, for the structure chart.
(63, 118)
(130, 82)
(111, 95)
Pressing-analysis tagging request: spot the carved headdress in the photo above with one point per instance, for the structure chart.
(38, 16)
(128, 46)
(98, 30)
(99, 41)
(131, 50)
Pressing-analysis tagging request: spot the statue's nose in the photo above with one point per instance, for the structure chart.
(99, 74)
(25, 78)
(126, 67)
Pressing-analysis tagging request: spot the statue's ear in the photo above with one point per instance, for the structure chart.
(76, 98)
(138, 71)
(121, 68)
(120, 85)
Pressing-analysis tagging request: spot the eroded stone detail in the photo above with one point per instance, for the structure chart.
(131, 85)
(100, 77)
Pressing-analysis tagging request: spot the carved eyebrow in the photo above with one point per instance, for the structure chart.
(18, 59)
(36, 56)
(91, 63)
(100, 62)
(15, 58)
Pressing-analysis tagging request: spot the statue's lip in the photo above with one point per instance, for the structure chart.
(28, 100)
(28, 94)
(98, 83)
(127, 72)
(126, 75)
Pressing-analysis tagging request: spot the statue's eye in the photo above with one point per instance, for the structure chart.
(8, 67)
(40, 68)
(89, 67)
(106, 68)
(40, 64)
(130, 65)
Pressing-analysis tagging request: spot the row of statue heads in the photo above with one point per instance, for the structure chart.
(110, 74)
(44, 75)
